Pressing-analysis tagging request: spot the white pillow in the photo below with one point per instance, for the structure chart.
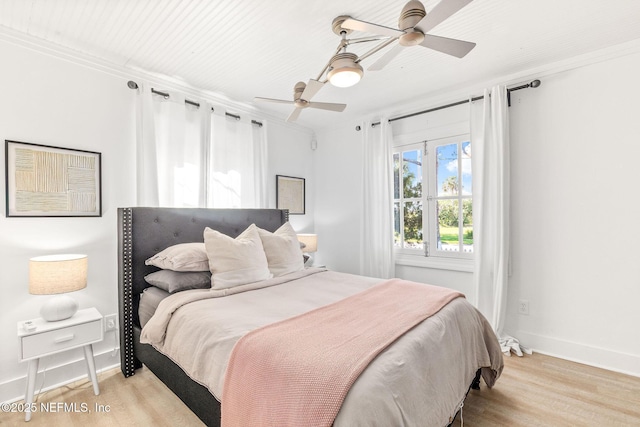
(238, 261)
(282, 249)
(181, 257)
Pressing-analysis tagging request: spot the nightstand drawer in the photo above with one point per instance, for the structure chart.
(37, 345)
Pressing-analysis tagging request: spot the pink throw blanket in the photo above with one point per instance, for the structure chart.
(298, 371)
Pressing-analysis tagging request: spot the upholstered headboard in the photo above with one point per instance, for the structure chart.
(143, 232)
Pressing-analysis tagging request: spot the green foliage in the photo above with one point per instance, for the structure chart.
(448, 213)
(447, 210)
(413, 222)
(412, 210)
(411, 188)
(467, 213)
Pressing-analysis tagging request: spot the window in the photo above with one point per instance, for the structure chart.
(433, 211)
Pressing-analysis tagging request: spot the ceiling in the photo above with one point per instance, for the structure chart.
(246, 48)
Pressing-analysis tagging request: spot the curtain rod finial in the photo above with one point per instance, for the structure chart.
(132, 84)
(535, 83)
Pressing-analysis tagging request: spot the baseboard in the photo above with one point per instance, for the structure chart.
(599, 357)
(58, 376)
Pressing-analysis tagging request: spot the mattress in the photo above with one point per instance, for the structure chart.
(149, 301)
(421, 379)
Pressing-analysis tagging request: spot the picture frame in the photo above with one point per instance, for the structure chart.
(290, 194)
(47, 181)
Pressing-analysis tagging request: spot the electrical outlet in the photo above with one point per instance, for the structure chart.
(110, 322)
(523, 307)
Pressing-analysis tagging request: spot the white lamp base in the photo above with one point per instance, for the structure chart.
(59, 307)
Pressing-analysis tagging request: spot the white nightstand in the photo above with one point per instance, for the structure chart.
(81, 330)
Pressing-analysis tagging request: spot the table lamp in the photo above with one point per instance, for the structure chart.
(310, 242)
(57, 274)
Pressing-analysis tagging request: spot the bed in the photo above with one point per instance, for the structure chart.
(144, 232)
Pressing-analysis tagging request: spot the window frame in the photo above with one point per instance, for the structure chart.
(402, 200)
(429, 255)
(432, 196)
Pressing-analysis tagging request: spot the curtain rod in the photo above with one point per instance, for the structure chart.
(533, 84)
(134, 85)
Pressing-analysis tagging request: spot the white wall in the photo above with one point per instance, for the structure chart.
(290, 154)
(338, 163)
(50, 101)
(575, 208)
(53, 101)
(574, 211)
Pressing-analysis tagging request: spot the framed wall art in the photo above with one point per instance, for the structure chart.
(290, 194)
(46, 181)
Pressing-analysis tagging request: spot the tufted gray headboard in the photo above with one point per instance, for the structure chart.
(144, 231)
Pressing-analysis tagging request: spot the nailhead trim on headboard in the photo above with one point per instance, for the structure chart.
(126, 340)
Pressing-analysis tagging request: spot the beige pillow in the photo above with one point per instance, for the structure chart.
(282, 249)
(236, 261)
(181, 257)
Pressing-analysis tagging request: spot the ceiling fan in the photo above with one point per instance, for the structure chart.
(302, 94)
(413, 25)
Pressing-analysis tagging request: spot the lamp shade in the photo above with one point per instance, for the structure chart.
(310, 242)
(57, 274)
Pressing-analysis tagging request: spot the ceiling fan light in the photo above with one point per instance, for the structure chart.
(344, 70)
(345, 78)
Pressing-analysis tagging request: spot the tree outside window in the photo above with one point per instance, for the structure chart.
(433, 209)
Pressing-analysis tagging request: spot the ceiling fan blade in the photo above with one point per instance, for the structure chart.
(280, 101)
(457, 48)
(386, 58)
(294, 115)
(439, 13)
(368, 27)
(311, 89)
(328, 106)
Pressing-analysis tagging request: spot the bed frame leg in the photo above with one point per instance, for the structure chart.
(475, 385)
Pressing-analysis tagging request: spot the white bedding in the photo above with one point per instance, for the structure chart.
(420, 380)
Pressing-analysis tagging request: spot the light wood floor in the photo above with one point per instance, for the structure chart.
(540, 390)
(534, 390)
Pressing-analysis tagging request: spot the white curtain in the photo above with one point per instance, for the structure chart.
(187, 156)
(237, 163)
(490, 164)
(179, 144)
(377, 256)
(146, 157)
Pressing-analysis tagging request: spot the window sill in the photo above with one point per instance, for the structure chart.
(441, 263)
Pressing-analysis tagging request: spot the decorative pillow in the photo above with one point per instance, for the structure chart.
(236, 261)
(282, 249)
(181, 257)
(176, 281)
